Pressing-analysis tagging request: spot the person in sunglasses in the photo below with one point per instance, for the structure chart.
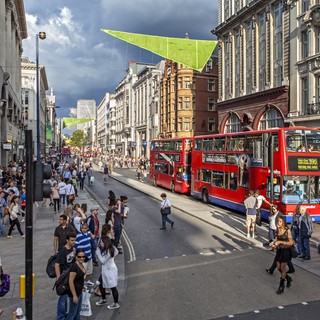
(76, 283)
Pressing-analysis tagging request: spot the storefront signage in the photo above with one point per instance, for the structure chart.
(7, 146)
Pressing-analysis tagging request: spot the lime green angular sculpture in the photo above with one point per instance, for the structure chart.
(191, 53)
(71, 122)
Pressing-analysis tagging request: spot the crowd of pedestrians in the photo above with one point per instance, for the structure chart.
(288, 243)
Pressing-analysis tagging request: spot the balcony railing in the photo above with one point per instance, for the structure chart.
(313, 108)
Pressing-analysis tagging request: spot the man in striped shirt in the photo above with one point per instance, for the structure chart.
(83, 241)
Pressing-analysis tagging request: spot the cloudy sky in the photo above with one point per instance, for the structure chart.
(84, 63)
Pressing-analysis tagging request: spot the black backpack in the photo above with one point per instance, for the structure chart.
(51, 272)
(62, 283)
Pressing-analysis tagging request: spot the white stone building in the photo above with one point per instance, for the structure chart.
(13, 30)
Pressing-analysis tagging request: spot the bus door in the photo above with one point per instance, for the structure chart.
(278, 188)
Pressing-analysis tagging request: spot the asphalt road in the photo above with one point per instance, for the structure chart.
(197, 271)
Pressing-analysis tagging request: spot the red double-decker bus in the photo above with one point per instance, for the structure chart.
(170, 164)
(282, 163)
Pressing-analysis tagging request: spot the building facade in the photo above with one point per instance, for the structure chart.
(305, 63)
(188, 100)
(13, 29)
(29, 100)
(255, 61)
(145, 111)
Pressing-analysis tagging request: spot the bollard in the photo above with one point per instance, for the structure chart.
(23, 286)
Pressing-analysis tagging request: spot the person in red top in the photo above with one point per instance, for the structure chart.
(93, 223)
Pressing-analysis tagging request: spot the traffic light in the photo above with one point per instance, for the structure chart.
(41, 171)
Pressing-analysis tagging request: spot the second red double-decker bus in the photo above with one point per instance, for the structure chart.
(170, 163)
(282, 163)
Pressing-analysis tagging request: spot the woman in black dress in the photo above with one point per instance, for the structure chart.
(283, 243)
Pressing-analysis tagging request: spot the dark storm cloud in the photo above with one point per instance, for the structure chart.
(84, 63)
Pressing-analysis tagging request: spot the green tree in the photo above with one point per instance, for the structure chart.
(79, 139)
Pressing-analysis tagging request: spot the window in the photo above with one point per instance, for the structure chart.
(237, 62)
(318, 40)
(211, 125)
(227, 66)
(207, 144)
(230, 179)
(218, 144)
(211, 104)
(237, 5)
(198, 144)
(305, 94)
(187, 103)
(277, 45)
(305, 5)
(318, 92)
(271, 119)
(180, 83)
(211, 85)
(233, 124)
(180, 103)
(262, 51)
(217, 179)
(209, 65)
(180, 124)
(205, 175)
(304, 44)
(187, 124)
(227, 9)
(187, 83)
(249, 57)
(237, 143)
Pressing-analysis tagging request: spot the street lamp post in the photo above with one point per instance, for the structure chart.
(42, 36)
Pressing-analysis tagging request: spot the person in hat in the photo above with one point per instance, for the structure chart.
(93, 223)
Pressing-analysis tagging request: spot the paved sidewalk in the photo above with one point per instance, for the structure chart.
(45, 299)
(218, 217)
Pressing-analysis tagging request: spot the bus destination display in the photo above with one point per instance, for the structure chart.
(303, 163)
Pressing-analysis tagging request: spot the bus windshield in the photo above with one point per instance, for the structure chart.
(302, 140)
(300, 189)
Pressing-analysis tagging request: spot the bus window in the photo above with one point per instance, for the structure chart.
(187, 145)
(161, 168)
(217, 178)
(295, 140)
(184, 173)
(257, 149)
(313, 140)
(230, 180)
(178, 146)
(205, 175)
(237, 143)
(218, 144)
(227, 146)
(233, 181)
(198, 144)
(207, 144)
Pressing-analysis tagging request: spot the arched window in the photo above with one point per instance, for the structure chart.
(233, 124)
(271, 119)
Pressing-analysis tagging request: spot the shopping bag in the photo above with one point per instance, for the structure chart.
(86, 305)
(4, 284)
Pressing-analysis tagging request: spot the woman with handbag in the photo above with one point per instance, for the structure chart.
(14, 211)
(165, 211)
(283, 243)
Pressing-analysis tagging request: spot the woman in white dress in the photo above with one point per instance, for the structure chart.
(109, 273)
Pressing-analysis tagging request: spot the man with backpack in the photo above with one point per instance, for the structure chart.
(63, 262)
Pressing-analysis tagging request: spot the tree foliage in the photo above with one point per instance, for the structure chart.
(79, 139)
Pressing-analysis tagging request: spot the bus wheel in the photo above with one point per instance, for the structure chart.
(205, 197)
(155, 181)
(172, 187)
